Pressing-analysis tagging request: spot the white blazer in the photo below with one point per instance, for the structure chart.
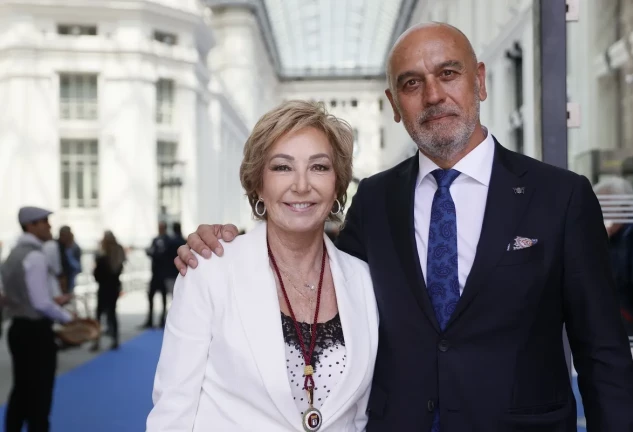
(222, 365)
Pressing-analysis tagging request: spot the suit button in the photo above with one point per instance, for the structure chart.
(430, 405)
(443, 345)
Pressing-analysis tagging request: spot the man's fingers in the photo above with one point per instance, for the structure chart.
(185, 254)
(229, 232)
(207, 240)
(180, 265)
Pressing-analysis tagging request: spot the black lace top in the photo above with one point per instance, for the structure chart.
(328, 359)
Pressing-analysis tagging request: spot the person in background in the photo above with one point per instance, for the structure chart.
(60, 265)
(73, 255)
(107, 273)
(175, 242)
(162, 269)
(621, 249)
(32, 309)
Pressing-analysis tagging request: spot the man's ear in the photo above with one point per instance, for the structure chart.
(394, 107)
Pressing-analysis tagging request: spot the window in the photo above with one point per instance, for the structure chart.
(354, 103)
(78, 96)
(164, 101)
(76, 30)
(166, 38)
(169, 178)
(356, 148)
(80, 173)
(380, 104)
(382, 138)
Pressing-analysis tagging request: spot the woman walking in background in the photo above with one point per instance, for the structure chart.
(107, 272)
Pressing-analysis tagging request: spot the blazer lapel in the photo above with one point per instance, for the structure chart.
(258, 305)
(503, 213)
(400, 206)
(353, 315)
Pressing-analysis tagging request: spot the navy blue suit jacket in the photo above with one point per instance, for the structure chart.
(500, 363)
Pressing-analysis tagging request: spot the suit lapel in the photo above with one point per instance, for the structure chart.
(400, 205)
(503, 213)
(258, 305)
(353, 320)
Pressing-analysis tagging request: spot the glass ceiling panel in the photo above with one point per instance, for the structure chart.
(332, 37)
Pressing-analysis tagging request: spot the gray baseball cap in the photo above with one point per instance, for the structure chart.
(27, 215)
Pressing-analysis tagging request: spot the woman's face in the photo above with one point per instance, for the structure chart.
(299, 181)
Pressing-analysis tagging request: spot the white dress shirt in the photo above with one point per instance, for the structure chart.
(469, 192)
(36, 273)
(51, 250)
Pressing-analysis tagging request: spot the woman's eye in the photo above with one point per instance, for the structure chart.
(281, 168)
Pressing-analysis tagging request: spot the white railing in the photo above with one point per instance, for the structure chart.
(78, 109)
(617, 208)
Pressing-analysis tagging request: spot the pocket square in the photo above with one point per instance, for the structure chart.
(522, 243)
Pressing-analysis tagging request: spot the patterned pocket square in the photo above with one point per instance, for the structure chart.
(522, 243)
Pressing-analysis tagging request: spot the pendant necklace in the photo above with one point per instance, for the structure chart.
(312, 417)
(310, 299)
(309, 285)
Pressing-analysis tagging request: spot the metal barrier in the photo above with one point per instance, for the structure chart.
(616, 208)
(136, 276)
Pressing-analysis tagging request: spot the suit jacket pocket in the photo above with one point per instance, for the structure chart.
(542, 418)
(521, 256)
(377, 402)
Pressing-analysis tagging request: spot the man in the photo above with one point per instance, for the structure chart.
(175, 241)
(621, 250)
(161, 269)
(33, 310)
(56, 252)
(478, 256)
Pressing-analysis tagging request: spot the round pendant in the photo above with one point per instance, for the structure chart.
(312, 420)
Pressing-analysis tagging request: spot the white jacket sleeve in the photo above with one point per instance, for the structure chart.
(183, 357)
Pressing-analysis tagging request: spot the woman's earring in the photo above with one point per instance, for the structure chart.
(257, 208)
(339, 208)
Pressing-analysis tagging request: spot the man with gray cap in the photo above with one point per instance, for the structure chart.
(29, 302)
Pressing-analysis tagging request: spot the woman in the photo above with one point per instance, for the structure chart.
(281, 333)
(108, 268)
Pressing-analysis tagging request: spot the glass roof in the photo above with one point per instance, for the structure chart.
(332, 37)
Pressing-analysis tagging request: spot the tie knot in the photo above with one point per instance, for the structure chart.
(445, 178)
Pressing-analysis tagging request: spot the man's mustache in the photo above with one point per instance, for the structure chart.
(436, 112)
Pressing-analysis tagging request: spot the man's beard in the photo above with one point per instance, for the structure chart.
(444, 139)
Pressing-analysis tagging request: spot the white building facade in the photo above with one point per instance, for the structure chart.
(115, 118)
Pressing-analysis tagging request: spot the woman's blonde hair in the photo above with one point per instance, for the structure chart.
(111, 248)
(292, 116)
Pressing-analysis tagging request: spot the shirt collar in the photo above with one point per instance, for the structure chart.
(477, 164)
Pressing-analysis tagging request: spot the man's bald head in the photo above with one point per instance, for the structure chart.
(418, 33)
(435, 88)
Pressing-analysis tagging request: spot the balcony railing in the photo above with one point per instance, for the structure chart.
(164, 113)
(78, 109)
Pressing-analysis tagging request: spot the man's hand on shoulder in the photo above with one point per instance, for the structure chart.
(203, 241)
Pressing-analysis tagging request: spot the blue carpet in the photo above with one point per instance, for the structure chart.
(579, 408)
(111, 393)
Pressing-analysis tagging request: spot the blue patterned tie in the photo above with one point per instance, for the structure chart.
(442, 279)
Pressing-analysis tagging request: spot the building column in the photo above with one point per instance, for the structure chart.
(127, 158)
(187, 121)
(29, 149)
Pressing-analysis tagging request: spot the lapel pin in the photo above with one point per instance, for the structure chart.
(519, 190)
